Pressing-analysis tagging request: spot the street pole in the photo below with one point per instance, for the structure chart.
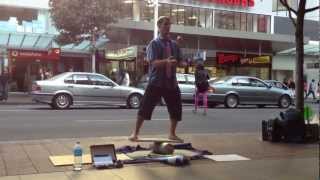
(93, 52)
(156, 16)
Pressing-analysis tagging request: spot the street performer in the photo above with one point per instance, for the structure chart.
(163, 55)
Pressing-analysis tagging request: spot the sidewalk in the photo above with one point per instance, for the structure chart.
(28, 160)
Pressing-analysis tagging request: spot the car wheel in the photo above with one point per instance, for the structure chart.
(61, 101)
(134, 101)
(231, 101)
(284, 101)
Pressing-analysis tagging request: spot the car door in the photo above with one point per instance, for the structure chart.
(262, 93)
(104, 89)
(184, 87)
(242, 87)
(82, 88)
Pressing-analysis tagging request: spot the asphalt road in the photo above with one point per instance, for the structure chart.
(30, 122)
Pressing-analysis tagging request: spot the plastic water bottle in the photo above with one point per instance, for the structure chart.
(77, 154)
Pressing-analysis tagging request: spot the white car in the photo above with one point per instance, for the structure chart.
(78, 88)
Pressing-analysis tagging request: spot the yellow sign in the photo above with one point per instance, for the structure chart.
(123, 54)
(256, 60)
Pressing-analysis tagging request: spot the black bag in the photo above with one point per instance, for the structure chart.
(290, 127)
(202, 81)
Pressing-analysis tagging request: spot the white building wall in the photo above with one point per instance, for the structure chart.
(284, 66)
(34, 4)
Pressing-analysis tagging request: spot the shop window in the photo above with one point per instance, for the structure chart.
(202, 18)
(146, 11)
(165, 10)
(237, 21)
(174, 14)
(127, 9)
(192, 16)
(262, 23)
(249, 23)
(224, 20)
(181, 15)
(243, 22)
(209, 18)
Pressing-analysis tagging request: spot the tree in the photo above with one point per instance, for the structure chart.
(79, 19)
(298, 23)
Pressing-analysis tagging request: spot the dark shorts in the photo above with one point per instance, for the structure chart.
(152, 97)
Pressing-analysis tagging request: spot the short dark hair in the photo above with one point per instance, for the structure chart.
(162, 19)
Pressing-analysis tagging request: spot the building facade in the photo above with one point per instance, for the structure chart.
(237, 37)
(233, 37)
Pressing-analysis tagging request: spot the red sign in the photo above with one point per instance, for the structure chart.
(228, 58)
(51, 54)
(241, 3)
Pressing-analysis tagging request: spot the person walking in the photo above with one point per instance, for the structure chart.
(202, 86)
(312, 89)
(164, 56)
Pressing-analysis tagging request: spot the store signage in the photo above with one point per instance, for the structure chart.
(228, 58)
(256, 60)
(123, 54)
(224, 58)
(238, 3)
(51, 54)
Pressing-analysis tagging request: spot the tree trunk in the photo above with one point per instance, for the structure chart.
(299, 63)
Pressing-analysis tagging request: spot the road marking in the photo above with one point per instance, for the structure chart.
(114, 120)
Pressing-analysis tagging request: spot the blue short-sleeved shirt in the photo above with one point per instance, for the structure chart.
(156, 50)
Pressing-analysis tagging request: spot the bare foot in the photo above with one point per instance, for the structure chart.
(175, 138)
(133, 137)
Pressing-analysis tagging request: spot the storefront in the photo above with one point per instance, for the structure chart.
(244, 28)
(120, 59)
(26, 66)
(241, 64)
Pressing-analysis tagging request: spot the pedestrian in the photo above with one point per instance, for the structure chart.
(4, 84)
(125, 78)
(48, 74)
(305, 87)
(291, 86)
(312, 89)
(202, 86)
(113, 75)
(41, 75)
(164, 56)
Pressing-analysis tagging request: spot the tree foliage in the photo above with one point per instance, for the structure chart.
(298, 22)
(75, 19)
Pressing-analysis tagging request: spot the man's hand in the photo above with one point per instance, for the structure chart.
(171, 61)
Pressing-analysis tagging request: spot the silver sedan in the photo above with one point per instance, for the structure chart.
(234, 90)
(78, 88)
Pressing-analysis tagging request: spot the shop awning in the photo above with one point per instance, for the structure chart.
(43, 42)
(26, 40)
(311, 49)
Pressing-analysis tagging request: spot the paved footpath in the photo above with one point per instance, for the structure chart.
(28, 160)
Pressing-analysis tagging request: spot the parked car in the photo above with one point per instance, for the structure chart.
(73, 88)
(234, 90)
(185, 83)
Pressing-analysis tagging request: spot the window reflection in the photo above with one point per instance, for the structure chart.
(142, 10)
(209, 18)
(146, 11)
(126, 9)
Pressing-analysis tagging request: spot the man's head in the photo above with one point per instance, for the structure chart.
(164, 25)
